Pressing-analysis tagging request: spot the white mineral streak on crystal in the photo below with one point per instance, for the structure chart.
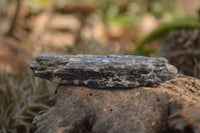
(122, 66)
(56, 79)
(171, 68)
(85, 82)
(110, 83)
(106, 60)
(136, 83)
(76, 82)
(75, 59)
(125, 83)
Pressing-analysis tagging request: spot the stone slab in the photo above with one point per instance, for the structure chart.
(95, 71)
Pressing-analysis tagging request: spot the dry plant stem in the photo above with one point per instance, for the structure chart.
(13, 22)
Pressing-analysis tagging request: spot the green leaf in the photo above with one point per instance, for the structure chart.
(162, 30)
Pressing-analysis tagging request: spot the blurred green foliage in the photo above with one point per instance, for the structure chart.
(43, 3)
(127, 12)
(131, 10)
(186, 23)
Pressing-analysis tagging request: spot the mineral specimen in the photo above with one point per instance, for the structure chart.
(95, 71)
(140, 110)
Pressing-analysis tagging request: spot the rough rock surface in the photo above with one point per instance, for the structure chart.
(114, 71)
(84, 110)
(186, 120)
(140, 110)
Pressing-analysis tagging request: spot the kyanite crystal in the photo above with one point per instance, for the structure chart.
(95, 71)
